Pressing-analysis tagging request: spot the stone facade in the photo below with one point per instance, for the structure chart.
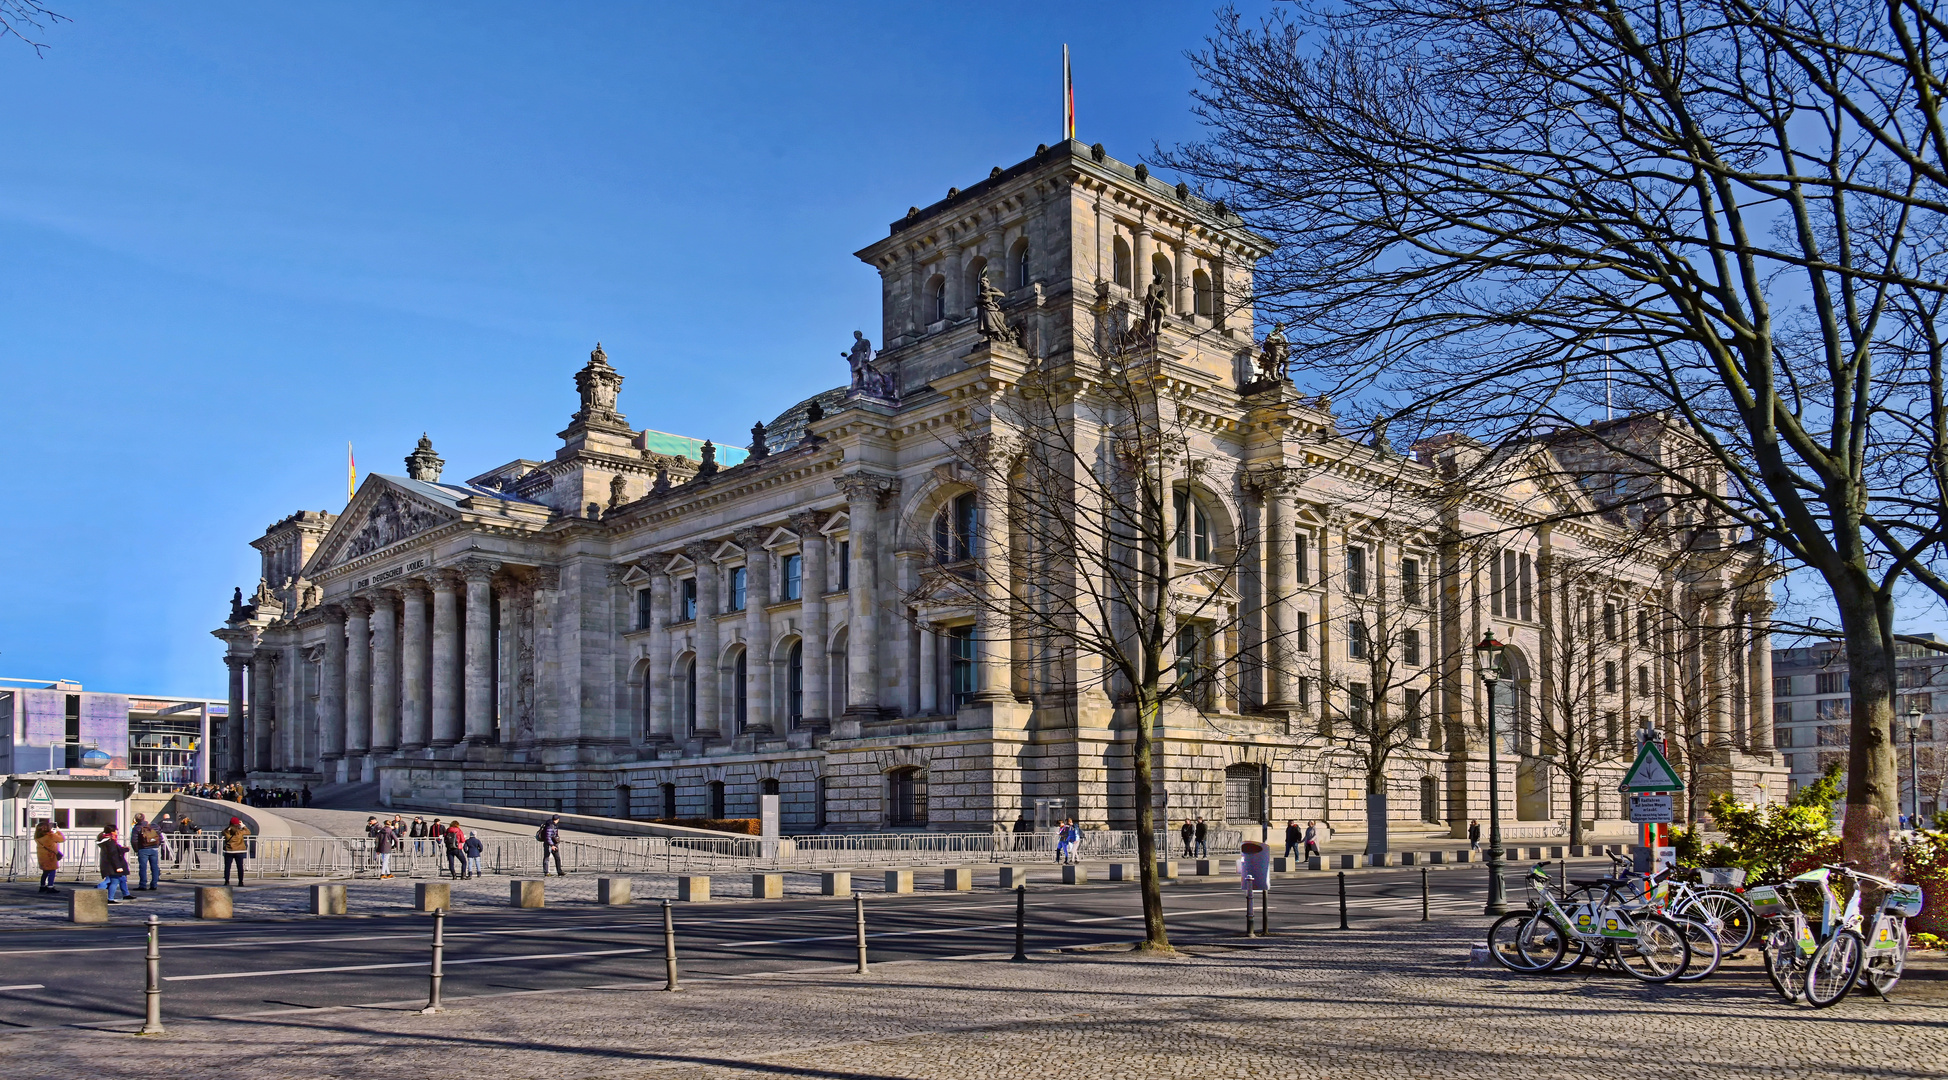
(647, 626)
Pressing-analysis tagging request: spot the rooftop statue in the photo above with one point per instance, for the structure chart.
(993, 325)
(1275, 354)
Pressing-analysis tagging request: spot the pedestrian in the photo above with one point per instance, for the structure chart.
(304, 796)
(1203, 852)
(1293, 838)
(235, 840)
(186, 830)
(1311, 839)
(1188, 831)
(1474, 835)
(419, 836)
(147, 841)
(473, 847)
(550, 837)
(383, 844)
(114, 865)
(47, 849)
(454, 839)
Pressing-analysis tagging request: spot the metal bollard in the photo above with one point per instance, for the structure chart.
(1423, 894)
(1249, 897)
(1342, 900)
(859, 909)
(669, 946)
(1021, 923)
(152, 1022)
(439, 954)
(1265, 911)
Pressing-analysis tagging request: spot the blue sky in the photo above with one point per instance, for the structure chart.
(235, 236)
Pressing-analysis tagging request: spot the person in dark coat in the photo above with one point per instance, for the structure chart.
(1474, 835)
(1203, 852)
(1188, 832)
(114, 865)
(550, 837)
(1311, 839)
(1293, 838)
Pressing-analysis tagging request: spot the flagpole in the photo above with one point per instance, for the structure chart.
(351, 474)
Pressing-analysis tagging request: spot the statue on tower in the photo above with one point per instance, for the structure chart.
(860, 356)
(599, 384)
(1156, 301)
(1275, 355)
(993, 325)
(616, 484)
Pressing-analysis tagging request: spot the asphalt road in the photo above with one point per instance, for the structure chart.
(94, 974)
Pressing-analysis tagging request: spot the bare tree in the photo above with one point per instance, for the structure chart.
(25, 20)
(1509, 216)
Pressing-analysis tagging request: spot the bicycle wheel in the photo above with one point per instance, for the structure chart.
(1884, 966)
(1542, 943)
(1781, 965)
(1660, 952)
(1706, 950)
(1728, 915)
(1833, 968)
(1505, 941)
(1574, 954)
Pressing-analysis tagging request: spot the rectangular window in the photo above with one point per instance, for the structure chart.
(794, 577)
(963, 672)
(1781, 736)
(1609, 676)
(1410, 647)
(1643, 629)
(1831, 682)
(818, 807)
(1528, 595)
(1611, 732)
(1609, 622)
(1356, 571)
(1837, 708)
(737, 579)
(1302, 633)
(1410, 702)
(1410, 580)
(1356, 639)
(1494, 584)
(1299, 545)
(845, 565)
(1356, 703)
(643, 609)
(1643, 680)
(1305, 692)
(689, 604)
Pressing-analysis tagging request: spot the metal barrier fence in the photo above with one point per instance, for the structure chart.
(332, 857)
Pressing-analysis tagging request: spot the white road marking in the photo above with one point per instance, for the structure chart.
(25, 986)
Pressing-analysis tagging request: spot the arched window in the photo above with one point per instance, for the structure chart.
(906, 797)
(739, 698)
(795, 683)
(1430, 800)
(717, 800)
(768, 786)
(1021, 263)
(937, 299)
(690, 696)
(1193, 529)
(1160, 268)
(953, 529)
(1206, 300)
(1121, 253)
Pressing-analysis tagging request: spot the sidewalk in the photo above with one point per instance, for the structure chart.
(1326, 1005)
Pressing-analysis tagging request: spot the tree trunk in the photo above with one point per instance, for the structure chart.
(1154, 934)
(1575, 809)
(1873, 782)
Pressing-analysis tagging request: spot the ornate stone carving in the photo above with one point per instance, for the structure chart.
(616, 485)
(708, 468)
(389, 520)
(359, 605)
(480, 569)
(807, 523)
(759, 451)
(618, 571)
(858, 486)
(993, 325)
(1274, 355)
(423, 464)
(1156, 301)
(599, 384)
(867, 379)
(662, 484)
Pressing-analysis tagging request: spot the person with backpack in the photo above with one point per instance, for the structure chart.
(473, 847)
(454, 839)
(550, 837)
(114, 865)
(47, 849)
(147, 841)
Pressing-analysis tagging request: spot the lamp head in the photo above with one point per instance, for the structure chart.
(1488, 657)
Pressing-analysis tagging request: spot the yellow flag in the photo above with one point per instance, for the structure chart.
(351, 474)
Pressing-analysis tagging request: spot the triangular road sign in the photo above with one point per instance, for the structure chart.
(1650, 772)
(40, 793)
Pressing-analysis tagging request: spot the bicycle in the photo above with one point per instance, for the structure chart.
(1649, 946)
(1665, 894)
(1823, 966)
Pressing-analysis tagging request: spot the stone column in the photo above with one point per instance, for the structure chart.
(548, 719)
(812, 549)
(657, 682)
(478, 678)
(1281, 574)
(331, 695)
(358, 680)
(994, 642)
(1715, 681)
(757, 633)
(1186, 301)
(233, 720)
(263, 709)
(449, 661)
(415, 701)
(1759, 685)
(385, 672)
(1220, 296)
(950, 269)
(1105, 245)
(1139, 258)
(863, 490)
(929, 671)
(709, 711)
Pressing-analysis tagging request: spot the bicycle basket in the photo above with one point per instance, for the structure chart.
(1903, 900)
(1721, 877)
(1766, 901)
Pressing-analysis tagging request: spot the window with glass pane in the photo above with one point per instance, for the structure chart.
(1410, 646)
(794, 574)
(1609, 676)
(738, 698)
(1356, 639)
(1356, 702)
(962, 670)
(689, 602)
(643, 609)
(1302, 632)
(795, 682)
(1410, 704)
(1356, 571)
(737, 579)
(845, 564)
(1410, 580)
(1301, 562)
(1193, 529)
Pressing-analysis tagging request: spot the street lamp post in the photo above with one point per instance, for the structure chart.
(1914, 766)
(1488, 662)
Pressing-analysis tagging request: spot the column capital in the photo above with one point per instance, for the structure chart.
(701, 552)
(479, 570)
(359, 607)
(447, 579)
(332, 612)
(860, 486)
(416, 588)
(752, 538)
(1278, 480)
(806, 523)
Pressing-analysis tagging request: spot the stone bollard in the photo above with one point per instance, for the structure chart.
(1437, 858)
(1075, 874)
(1206, 867)
(1347, 862)
(899, 881)
(527, 894)
(328, 900)
(1317, 862)
(1410, 858)
(693, 888)
(957, 879)
(1379, 858)
(1281, 865)
(835, 883)
(88, 906)
(1555, 852)
(213, 901)
(1167, 870)
(1014, 877)
(612, 891)
(767, 886)
(432, 896)
(1122, 871)
(1464, 855)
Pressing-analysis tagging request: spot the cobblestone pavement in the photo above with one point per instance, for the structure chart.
(1394, 1003)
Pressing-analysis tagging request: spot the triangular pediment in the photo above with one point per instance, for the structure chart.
(380, 516)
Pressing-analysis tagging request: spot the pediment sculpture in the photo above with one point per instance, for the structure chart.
(388, 520)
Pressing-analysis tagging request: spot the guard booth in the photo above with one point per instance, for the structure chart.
(78, 805)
